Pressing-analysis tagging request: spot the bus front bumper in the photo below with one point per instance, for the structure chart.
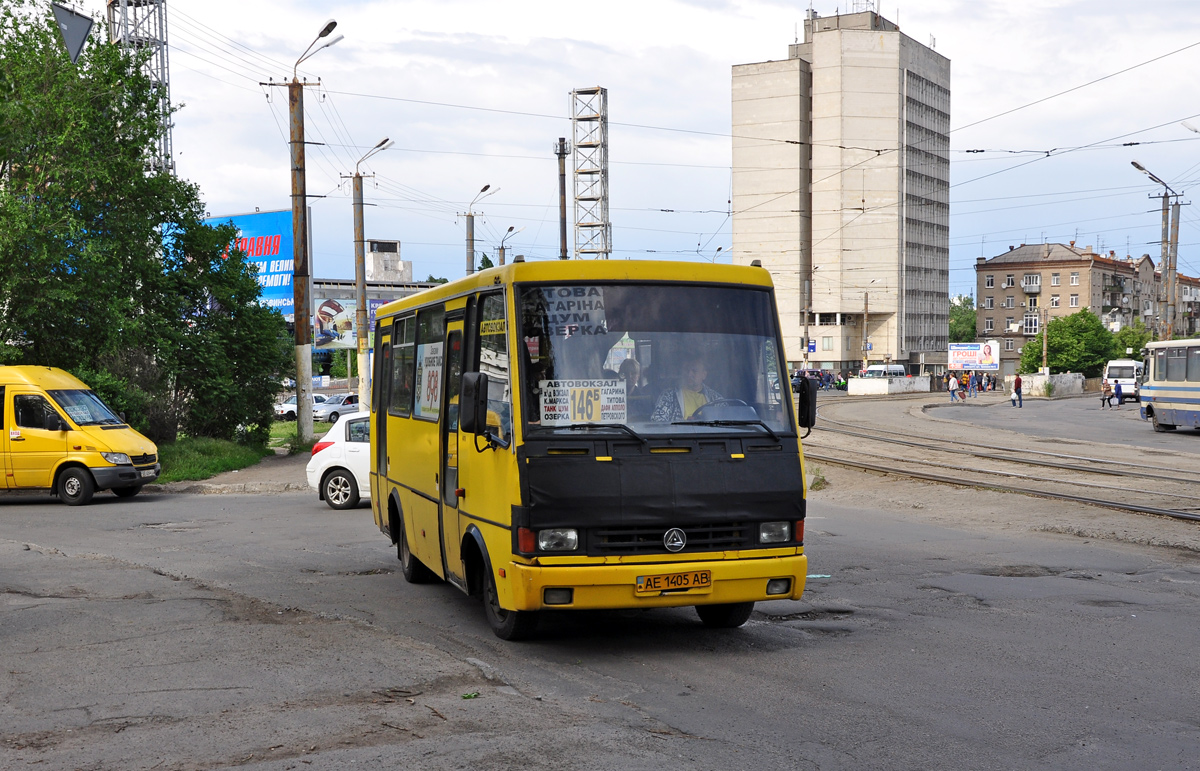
(615, 585)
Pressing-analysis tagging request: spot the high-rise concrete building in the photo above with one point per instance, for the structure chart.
(841, 175)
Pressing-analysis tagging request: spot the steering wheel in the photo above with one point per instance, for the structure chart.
(717, 403)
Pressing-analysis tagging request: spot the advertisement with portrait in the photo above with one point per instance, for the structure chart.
(974, 356)
(266, 238)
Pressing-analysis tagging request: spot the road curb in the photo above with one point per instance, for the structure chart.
(249, 488)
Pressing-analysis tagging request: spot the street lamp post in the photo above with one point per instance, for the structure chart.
(1170, 241)
(360, 277)
(512, 231)
(302, 273)
(471, 225)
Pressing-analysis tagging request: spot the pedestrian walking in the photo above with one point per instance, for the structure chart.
(952, 386)
(972, 386)
(1017, 391)
(1106, 394)
(1120, 394)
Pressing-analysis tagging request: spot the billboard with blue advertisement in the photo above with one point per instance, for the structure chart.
(266, 238)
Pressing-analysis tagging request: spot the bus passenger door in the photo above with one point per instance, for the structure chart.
(452, 378)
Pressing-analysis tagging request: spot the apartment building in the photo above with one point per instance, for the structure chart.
(841, 178)
(1018, 291)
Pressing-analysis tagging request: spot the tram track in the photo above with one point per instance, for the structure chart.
(1172, 486)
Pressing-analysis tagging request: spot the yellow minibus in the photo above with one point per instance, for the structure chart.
(603, 434)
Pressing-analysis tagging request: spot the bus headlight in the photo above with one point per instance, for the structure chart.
(558, 539)
(773, 532)
(116, 458)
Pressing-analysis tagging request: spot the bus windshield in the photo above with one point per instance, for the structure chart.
(85, 408)
(647, 358)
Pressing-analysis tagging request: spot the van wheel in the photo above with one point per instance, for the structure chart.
(728, 616)
(1161, 427)
(414, 570)
(510, 625)
(126, 492)
(340, 489)
(76, 486)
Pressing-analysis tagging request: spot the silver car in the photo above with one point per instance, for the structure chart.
(336, 406)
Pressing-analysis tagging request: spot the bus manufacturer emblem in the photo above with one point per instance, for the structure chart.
(674, 539)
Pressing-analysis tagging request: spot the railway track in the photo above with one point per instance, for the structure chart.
(1167, 492)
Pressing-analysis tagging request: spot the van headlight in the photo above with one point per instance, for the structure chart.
(558, 539)
(116, 458)
(773, 532)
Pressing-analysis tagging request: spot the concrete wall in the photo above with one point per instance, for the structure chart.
(880, 386)
(1068, 384)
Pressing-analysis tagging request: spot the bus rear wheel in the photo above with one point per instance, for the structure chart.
(506, 624)
(414, 570)
(728, 616)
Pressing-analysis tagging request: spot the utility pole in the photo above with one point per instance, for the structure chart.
(360, 278)
(302, 274)
(1045, 340)
(1172, 255)
(807, 308)
(864, 332)
(470, 215)
(1164, 263)
(561, 151)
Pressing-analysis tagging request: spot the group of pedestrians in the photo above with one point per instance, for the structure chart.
(1108, 392)
(969, 384)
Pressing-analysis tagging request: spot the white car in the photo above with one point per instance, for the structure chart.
(340, 464)
(286, 410)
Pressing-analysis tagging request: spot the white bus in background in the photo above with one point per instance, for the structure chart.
(1128, 373)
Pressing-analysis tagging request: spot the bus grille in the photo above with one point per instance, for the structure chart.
(140, 459)
(648, 539)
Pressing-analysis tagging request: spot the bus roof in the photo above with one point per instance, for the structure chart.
(43, 377)
(1190, 342)
(585, 270)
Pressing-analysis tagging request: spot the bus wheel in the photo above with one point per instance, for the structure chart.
(727, 616)
(507, 624)
(75, 486)
(414, 570)
(1160, 427)
(127, 492)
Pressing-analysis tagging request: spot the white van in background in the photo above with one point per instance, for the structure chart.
(885, 370)
(1128, 373)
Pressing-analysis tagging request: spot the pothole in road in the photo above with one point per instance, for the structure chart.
(1020, 571)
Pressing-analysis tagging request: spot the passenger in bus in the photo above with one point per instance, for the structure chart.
(682, 402)
(631, 372)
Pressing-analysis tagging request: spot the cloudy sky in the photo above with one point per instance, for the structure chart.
(476, 93)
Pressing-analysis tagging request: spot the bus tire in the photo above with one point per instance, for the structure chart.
(127, 492)
(414, 570)
(1160, 427)
(727, 616)
(509, 625)
(76, 486)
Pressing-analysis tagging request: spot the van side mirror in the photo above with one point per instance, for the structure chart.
(54, 422)
(472, 403)
(807, 417)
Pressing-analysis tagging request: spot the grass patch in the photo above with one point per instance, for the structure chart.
(819, 482)
(283, 434)
(193, 458)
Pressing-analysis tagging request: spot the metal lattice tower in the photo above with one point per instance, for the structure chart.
(589, 124)
(138, 25)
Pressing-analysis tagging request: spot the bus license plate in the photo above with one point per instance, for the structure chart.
(148, 472)
(674, 582)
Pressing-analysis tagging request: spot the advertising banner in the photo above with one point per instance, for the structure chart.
(974, 356)
(266, 238)
(333, 324)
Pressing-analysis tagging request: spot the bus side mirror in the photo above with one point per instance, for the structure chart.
(472, 403)
(56, 423)
(808, 403)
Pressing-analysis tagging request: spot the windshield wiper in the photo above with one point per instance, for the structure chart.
(619, 426)
(758, 423)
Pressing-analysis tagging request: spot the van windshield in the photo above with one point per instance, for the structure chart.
(1125, 373)
(85, 408)
(651, 358)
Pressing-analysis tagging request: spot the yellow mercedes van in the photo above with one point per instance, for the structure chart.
(59, 436)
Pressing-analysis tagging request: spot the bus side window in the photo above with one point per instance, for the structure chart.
(1160, 364)
(1176, 363)
(1193, 365)
(494, 362)
(401, 382)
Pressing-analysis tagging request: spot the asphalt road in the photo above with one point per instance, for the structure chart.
(270, 632)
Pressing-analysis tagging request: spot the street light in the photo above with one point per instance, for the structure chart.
(1170, 241)
(360, 276)
(509, 232)
(301, 271)
(471, 225)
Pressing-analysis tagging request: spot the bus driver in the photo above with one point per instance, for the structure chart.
(681, 403)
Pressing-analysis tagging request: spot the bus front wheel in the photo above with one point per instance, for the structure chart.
(1160, 427)
(507, 624)
(414, 570)
(728, 616)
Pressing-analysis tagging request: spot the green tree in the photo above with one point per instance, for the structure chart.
(1134, 337)
(1076, 343)
(433, 280)
(166, 328)
(485, 262)
(962, 319)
